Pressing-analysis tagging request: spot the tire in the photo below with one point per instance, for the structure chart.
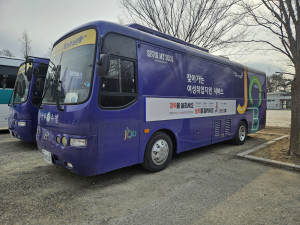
(158, 152)
(240, 134)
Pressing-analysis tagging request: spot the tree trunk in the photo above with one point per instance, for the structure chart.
(295, 120)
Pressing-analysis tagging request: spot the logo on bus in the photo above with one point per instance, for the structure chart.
(73, 43)
(129, 134)
(48, 117)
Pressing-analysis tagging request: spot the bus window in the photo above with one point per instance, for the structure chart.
(118, 88)
(127, 75)
(115, 44)
(7, 81)
(21, 90)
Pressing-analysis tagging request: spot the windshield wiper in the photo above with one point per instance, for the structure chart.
(54, 81)
(58, 85)
(51, 82)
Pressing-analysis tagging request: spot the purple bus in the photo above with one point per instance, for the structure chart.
(117, 95)
(27, 94)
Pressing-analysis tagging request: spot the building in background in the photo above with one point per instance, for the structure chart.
(278, 100)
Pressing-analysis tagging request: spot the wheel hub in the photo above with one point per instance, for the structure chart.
(160, 152)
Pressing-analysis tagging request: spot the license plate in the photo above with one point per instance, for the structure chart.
(47, 156)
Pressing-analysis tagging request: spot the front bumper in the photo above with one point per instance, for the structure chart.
(84, 160)
(24, 133)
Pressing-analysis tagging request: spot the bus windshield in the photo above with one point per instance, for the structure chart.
(21, 89)
(70, 70)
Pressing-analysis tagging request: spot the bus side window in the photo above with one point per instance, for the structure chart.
(7, 81)
(3, 83)
(127, 74)
(118, 88)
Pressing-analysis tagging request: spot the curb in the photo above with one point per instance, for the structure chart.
(271, 134)
(284, 165)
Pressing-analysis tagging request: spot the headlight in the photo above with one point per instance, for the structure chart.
(78, 142)
(64, 141)
(21, 124)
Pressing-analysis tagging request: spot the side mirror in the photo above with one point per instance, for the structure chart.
(103, 64)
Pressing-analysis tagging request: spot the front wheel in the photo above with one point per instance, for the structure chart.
(240, 134)
(158, 152)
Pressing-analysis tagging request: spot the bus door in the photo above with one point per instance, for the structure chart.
(118, 133)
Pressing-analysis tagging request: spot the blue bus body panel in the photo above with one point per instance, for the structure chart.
(170, 74)
(25, 112)
(118, 135)
(57, 124)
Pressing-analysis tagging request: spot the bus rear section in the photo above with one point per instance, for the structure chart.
(139, 99)
(27, 94)
(8, 73)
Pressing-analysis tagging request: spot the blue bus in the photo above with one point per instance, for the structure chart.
(27, 94)
(117, 95)
(8, 73)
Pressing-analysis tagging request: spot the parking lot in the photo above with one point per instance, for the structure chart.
(204, 186)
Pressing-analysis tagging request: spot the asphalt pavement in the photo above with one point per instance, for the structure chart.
(209, 185)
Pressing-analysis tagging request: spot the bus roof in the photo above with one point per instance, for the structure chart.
(163, 35)
(109, 27)
(8, 61)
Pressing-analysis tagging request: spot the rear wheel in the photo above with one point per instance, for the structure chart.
(158, 152)
(240, 134)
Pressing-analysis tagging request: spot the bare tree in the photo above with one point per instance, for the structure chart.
(212, 24)
(49, 50)
(6, 52)
(280, 19)
(277, 82)
(25, 44)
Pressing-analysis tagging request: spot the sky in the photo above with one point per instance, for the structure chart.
(47, 20)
